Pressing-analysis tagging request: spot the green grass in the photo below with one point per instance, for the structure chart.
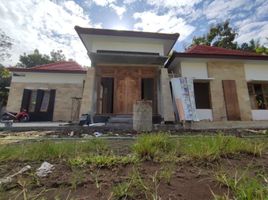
(154, 146)
(244, 186)
(213, 147)
(103, 160)
(49, 150)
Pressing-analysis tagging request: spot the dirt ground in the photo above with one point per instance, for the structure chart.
(193, 180)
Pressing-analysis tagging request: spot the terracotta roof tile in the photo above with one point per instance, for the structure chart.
(203, 49)
(61, 67)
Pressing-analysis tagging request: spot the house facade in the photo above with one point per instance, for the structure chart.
(128, 66)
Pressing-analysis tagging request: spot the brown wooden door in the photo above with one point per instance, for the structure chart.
(231, 100)
(127, 91)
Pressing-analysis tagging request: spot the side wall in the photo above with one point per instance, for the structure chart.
(228, 71)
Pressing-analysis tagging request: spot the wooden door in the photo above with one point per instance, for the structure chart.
(127, 91)
(231, 100)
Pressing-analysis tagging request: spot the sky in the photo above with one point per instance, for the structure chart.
(49, 24)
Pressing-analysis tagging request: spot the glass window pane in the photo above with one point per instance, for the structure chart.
(33, 101)
(45, 101)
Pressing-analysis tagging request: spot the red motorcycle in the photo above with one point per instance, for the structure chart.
(22, 116)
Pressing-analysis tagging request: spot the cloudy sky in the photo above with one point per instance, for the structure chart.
(49, 24)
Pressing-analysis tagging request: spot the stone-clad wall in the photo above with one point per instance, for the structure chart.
(228, 71)
(63, 99)
(88, 102)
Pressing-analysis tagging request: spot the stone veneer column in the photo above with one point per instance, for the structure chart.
(220, 70)
(167, 111)
(87, 104)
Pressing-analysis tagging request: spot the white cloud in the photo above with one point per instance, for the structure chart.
(173, 3)
(44, 25)
(222, 9)
(103, 2)
(119, 10)
(253, 30)
(168, 23)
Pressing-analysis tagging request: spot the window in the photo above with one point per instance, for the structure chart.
(45, 101)
(32, 101)
(258, 94)
(202, 95)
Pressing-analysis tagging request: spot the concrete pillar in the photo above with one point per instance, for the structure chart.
(87, 104)
(167, 111)
(142, 116)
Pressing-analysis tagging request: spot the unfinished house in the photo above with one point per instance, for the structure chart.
(49, 92)
(202, 84)
(126, 66)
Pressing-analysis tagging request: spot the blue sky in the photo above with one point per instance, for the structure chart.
(48, 25)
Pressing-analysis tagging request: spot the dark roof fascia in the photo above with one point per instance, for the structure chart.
(116, 56)
(110, 32)
(12, 69)
(216, 56)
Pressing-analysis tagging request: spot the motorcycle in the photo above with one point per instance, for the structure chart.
(22, 116)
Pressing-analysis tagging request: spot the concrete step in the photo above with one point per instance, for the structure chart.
(124, 120)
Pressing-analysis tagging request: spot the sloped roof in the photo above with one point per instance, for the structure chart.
(57, 67)
(209, 52)
(204, 49)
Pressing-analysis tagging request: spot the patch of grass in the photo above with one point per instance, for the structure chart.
(48, 150)
(210, 148)
(154, 146)
(103, 160)
(244, 186)
(123, 191)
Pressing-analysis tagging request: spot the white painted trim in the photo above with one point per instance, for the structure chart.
(259, 114)
(31, 77)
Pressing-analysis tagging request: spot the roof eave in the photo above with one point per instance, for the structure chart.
(216, 56)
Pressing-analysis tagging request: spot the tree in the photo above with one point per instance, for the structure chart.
(5, 45)
(57, 56)
(5, 80)
(251, 46)
(219, 35)
(34, 59)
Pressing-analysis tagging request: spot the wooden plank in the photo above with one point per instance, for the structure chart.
(231, 100)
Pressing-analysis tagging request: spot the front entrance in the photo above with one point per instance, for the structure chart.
(231, 100)
(120, 88)
(127, 91)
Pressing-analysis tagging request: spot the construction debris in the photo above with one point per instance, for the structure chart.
(45, 169)
(9, 179)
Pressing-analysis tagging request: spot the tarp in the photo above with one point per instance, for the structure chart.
(183, 99)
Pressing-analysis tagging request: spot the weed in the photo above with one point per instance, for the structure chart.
(153, 146)
(103, 160)
(122, 191)
(167, 172)
(51, 150)
(211, 148)
(244, 186)
(76, 177)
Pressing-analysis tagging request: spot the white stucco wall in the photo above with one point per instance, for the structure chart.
(256, 71)
(204, 114)
(197, 70)
(33, 77)
(123, 44)
(259, 114)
